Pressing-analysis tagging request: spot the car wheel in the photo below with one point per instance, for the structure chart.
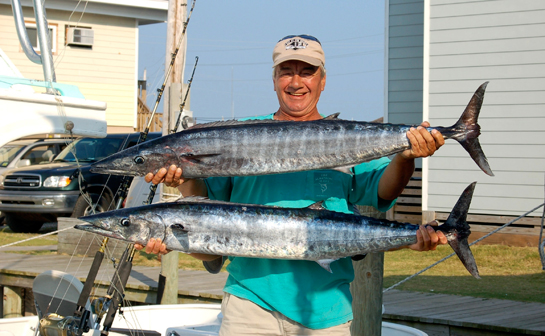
(19, 224)
(83, 208)
(2, 218)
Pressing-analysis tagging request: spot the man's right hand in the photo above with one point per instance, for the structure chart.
(171, 177)
(154, 246)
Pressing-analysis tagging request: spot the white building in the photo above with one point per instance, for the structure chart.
(438, 53)
(101, 58)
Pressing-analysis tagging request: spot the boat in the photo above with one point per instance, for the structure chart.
(43, 108)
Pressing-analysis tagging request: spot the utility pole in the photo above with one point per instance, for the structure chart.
(177, 13)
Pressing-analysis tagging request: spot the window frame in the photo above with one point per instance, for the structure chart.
(53, 27)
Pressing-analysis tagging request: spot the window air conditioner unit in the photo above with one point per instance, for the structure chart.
(80, 37)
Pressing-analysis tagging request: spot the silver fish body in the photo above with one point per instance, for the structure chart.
(259, 147)
(229, 229)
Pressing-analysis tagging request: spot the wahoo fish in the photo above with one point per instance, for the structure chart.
(260, 147)
(196, 225)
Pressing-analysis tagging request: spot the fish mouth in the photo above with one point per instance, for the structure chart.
(95, 229)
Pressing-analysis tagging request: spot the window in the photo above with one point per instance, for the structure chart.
(40, 154)
(32, 32)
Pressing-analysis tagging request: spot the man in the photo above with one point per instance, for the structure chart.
(282, 297)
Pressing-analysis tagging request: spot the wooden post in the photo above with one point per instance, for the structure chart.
(177, 12)
(366, 288)
(428, 216)
(12, 302)
(367, 295)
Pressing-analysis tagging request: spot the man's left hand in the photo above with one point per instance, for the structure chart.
(423, 142)
(428, 238)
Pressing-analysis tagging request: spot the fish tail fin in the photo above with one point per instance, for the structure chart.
(468, 123)
(457, 230)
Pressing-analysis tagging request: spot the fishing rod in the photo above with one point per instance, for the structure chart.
(153, 187)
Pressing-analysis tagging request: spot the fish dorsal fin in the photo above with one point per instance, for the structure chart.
(193, 199)
(317, 206)
(202, 199)
(333, 116)
(229, 123)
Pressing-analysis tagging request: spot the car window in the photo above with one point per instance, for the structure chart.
(90, 149)
(8, 153)
(40, 154)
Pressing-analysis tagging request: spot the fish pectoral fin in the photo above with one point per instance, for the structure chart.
(326, 264)
(345, 169)
(196, 158)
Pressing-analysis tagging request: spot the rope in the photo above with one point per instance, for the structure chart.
(43, 235)
(541, 245)
(452, 254)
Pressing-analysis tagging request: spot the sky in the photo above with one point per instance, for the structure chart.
(234, 42)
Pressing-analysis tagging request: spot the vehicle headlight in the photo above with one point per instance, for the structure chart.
(57, 181)
(2, 177)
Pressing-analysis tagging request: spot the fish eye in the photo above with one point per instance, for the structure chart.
(139, 160)
(125, 222)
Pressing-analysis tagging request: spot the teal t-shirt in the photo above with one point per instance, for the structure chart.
(301, 290)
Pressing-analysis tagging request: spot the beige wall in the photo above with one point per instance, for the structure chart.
(105, 72)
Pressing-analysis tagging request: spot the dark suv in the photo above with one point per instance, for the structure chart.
(32, 196)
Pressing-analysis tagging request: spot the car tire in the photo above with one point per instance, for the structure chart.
(18, 224)
(83, 208)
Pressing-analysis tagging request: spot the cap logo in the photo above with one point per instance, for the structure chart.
(295, 43)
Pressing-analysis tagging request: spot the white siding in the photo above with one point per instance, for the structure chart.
(405, 42)
(503, 42)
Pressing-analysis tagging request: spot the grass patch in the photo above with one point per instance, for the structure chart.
(513, 273)
(8, 237)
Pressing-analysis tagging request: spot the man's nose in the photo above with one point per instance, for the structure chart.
(296, 81)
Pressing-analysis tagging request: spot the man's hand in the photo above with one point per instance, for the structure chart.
(428, 238)
(155, 246)
(171, 177)
(423, 143)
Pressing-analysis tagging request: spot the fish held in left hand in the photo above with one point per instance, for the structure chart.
(261, 147)
(196, 225)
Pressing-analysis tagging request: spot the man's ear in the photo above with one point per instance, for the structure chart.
(323, 83)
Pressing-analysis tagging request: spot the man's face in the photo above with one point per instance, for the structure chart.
(298, 86)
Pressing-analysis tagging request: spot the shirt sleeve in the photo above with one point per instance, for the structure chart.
(219, 188)
(365, 184)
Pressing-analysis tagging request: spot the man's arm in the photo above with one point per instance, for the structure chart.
(398, 173)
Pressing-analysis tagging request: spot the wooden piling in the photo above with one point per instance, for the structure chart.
(13, 302)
